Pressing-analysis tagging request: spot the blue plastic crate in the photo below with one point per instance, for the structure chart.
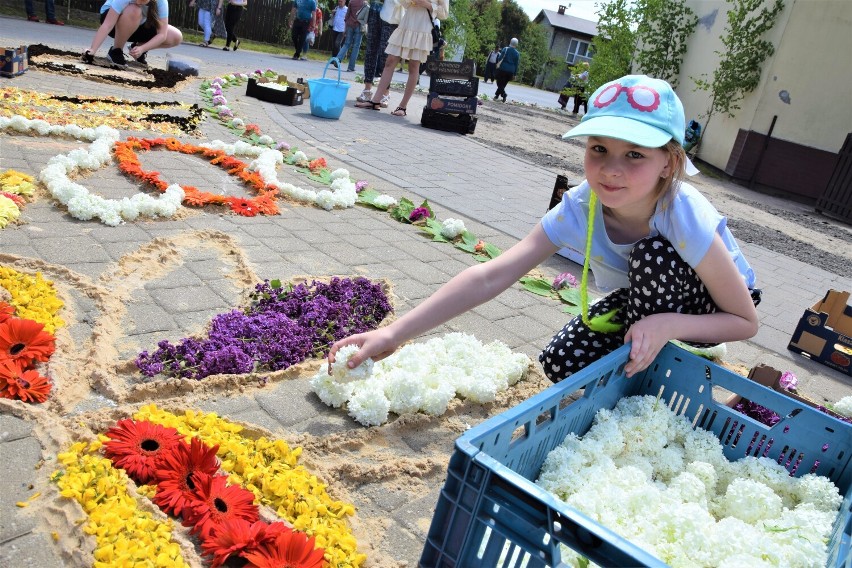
(490, 513)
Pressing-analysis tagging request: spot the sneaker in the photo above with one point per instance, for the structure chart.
(303, 59)
(88, 57)
(236, 45)
(385, 101)
(32, 18)
(56, 22)
(365, 96)
(116, 56)
(335, 64)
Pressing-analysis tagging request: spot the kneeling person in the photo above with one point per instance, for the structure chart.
(143, 23)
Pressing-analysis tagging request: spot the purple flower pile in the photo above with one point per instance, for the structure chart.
(282, 326)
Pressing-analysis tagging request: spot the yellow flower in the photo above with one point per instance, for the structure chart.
(8, 211)
(33, 297)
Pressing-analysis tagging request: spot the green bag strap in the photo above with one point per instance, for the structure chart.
(601, 323)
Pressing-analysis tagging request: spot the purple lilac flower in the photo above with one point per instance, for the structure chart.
(758, 412)
(788, 381)
(564, 280)
(359, 185)
(283, 147)
(226, 113)
(282, 327)
(419, 213)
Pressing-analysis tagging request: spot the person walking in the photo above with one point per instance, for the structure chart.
(665, 254)
(580, 82)
(314, 33)
(384, 19)
(412, 40)
(301, 16)
(507, 66)
(144, 23)
(338, 25)
(206, 9)
(352, 41)
(491, 64)
(49, 11)
(233, 13)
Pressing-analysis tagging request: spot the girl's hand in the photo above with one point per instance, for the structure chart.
(648, 336)
(137, 52)
(375, 345)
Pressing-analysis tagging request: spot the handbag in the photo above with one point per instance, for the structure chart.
(500, 57)
(363, 15)
(436, 32)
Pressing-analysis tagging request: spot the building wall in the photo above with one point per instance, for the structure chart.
(805, 84)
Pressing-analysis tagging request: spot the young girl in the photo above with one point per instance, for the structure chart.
(674, 267)
(412, 40)
(144, 23)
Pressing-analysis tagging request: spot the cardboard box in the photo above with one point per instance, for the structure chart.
(15, 61)
(825, 332)
(292, 96)
(455, 105)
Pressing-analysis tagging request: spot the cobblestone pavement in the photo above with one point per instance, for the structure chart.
(498, 196)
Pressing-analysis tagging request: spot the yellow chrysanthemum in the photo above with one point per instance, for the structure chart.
(270, 470)
(8, 211)
(33, 297)
(124, 534)
(16, 182)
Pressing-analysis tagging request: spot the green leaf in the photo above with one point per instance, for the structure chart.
(571, 309)
(368, 197)
(275, 284)
(538, 286)
(402, 211)
(570, 295)
(582, 562)
(491, 251)
(433, 227)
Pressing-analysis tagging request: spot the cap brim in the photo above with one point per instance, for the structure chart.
(621, 128)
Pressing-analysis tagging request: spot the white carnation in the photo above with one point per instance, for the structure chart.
(451, 228)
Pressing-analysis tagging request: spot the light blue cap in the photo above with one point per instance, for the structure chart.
(635, 108)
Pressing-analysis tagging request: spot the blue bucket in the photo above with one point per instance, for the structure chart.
(328, 97)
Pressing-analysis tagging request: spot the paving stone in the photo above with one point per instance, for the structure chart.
(32, 549)
(13, 428)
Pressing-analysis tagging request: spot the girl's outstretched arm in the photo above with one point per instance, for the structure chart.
(735, 320)
(468, 289)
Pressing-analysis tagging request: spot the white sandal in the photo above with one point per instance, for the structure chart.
(365, 96)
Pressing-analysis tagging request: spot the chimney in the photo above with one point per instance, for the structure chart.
(561, 9)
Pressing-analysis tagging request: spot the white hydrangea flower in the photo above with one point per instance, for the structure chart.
(300, 156)
(265, 139)
(844, 406)
(342, 373)
(368, 405)
(340, 173)
(331, 391)
(237, 123)
(384, 201)
(451, 228)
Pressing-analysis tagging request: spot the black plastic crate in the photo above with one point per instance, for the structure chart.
(454, 87)
(290, 97)
(452, 105)
(461, 123)
(463, 69)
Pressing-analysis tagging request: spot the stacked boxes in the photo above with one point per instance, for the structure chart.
(824, 332)
(292, 96)
(451, 102)
(14, 61)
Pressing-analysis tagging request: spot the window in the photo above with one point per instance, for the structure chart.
(577, 49)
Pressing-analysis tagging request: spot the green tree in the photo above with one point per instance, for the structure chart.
(664, 27)
(513, 22)
(485, 24)
(614, 45)
(534, 54)
(745, 50)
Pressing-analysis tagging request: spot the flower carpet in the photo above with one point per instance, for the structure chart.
(167, 297)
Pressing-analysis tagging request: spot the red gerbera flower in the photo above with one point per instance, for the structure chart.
(317, 164)
(289, 550)
(138, 447)
(175, 480)
(23, 339)
(20, 384)
(6, 311)
(215, 502)
(243, 207)
(236, 537)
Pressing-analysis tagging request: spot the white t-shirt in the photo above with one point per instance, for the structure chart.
(338, 24)
(688, 221)
(120, 5)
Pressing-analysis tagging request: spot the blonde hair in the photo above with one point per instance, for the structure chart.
(677, 161)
